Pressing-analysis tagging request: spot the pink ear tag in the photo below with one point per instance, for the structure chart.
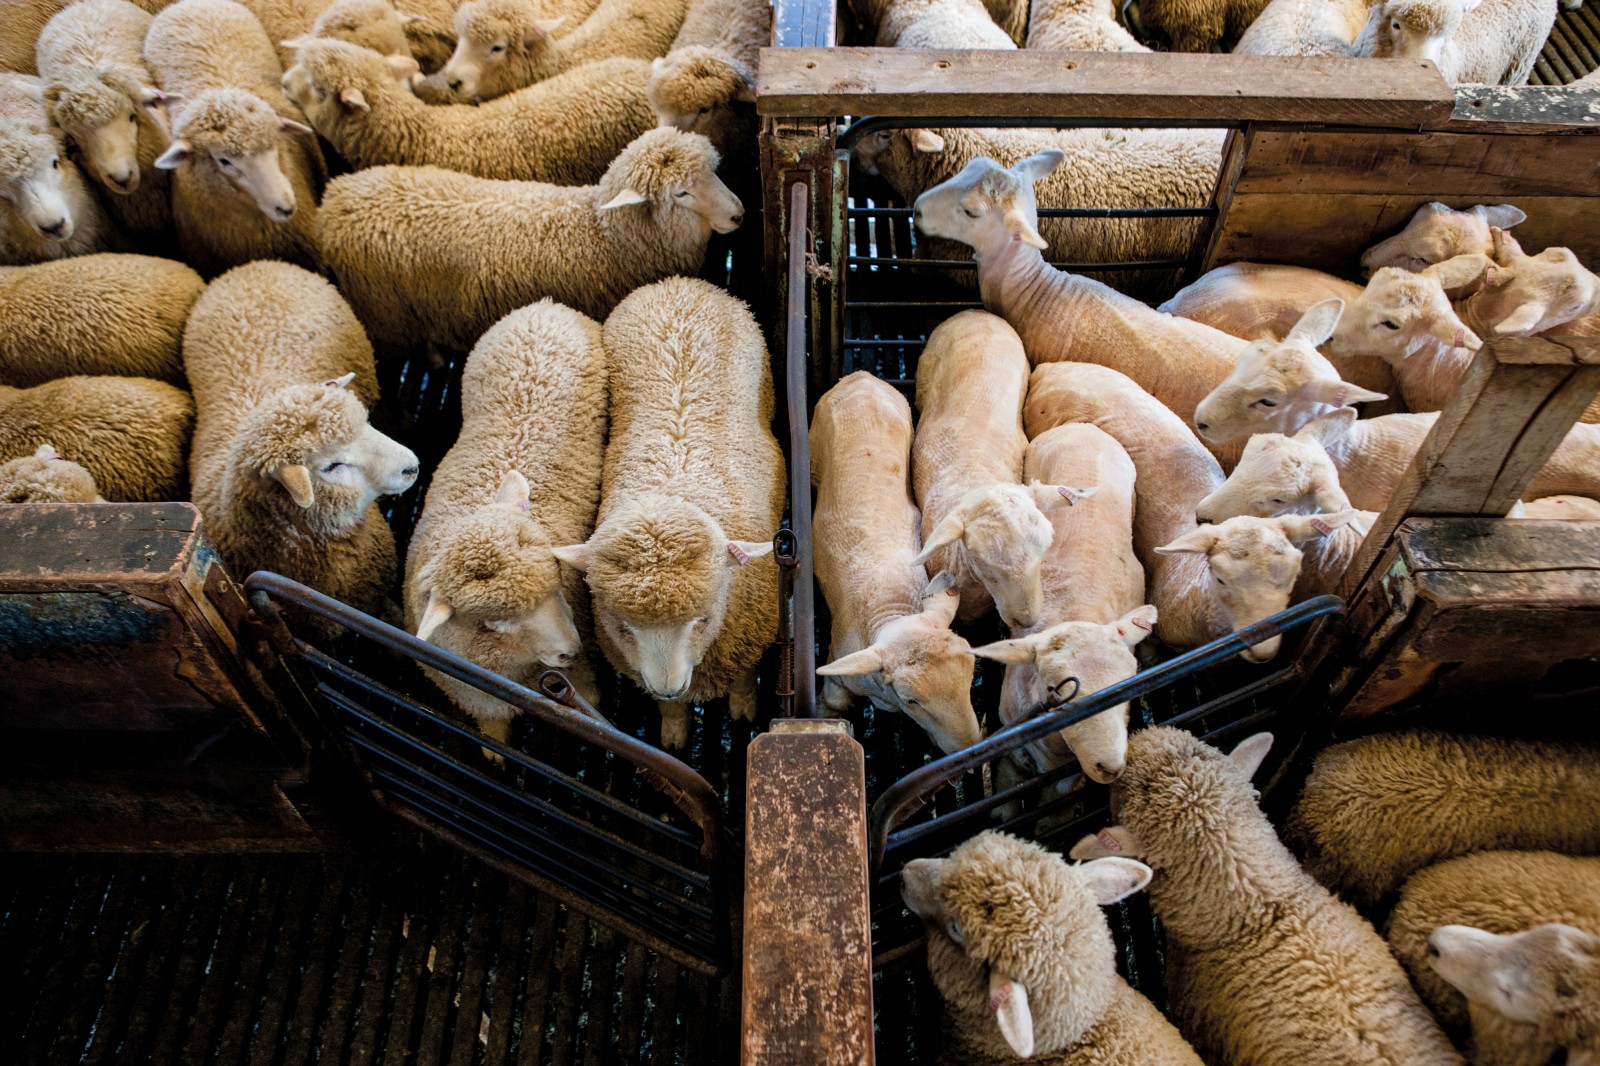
(526, 505)
(999, 997)
(1321, 527)
(1461, 337)
(1107, 841)
(740, 556)
(1490, 276)
(1068, 495)
(952, 591)
(1338, 397)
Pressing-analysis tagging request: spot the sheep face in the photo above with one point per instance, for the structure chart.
(1096, 656)
(501, 45)
(1400, 313)
(30, 180)
(674, 176)
(1016, 942)
(1252, 564)
(45, 477)
(988, 206)
(331, 79)
(1438, 232)
(695, 89)
(1276, 386)
(235, 134)
(1280, 475)
(1540, 292)
(104, 113)
(1558, 508)
(373, 24)
(1547, 977)
(871, 151)
(1418, 29)
(922, 670)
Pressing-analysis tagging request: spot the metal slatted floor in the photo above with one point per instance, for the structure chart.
(1573, 49)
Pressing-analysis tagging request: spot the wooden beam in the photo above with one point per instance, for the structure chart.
(1517, 402)
(1125, 86)
(1526, 109)
(807, 928)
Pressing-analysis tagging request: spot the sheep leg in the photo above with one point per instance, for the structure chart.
(674, 723)
(742, 699)
(835, 697)
(495, 729)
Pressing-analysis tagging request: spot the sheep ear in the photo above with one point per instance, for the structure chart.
(513, 488)
(1507, 249)
(354, 99)
(1305, 528)
(178, 153)
(1018, 652)
(46, 451)
(576, 556)
(289, 125)
(1114, 878)
(540, 30)
(625, 198)
(947, 532)
(435, 615)
(340, 382)
(402, 67)
(407, 17)
(866, 661)
(1018, 226)
(919, 887)
(925, 141)
(1250, 753)
(1452, 333)
(1009, 1002)
(1116, 840)
(1330, 429)
(1039, 164)
(150, 96)
(1318, 322)
(1136, 624)
(1049, 497)
(1199, 541)
(745, 92)
(1504, 215)
(297, 42)
(1338, 393)
(941, 598)
(297, 479)
(1460, 271)
(1524, 319)
(742, 551)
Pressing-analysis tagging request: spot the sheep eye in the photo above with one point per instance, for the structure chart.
(132, 117)
(1264, 402)
(681, 194)
(954, 928)
(224, 162)
(1277, 501)
(331, 467)
(1219, 581)
(970, 212)
(705, 109)
(1390, 325)
(55, 164)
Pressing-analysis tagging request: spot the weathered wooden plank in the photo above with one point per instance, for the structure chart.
(807, 928)
(825, 83)
(1526, 109)
(1493, 547)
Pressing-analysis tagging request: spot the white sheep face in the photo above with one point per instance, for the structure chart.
(365, 468)
(987, 206)
(111, 150)
(33, 187)
(1400, 313)
(1543, 291)
(1438, 232)
(1531, 977)
(708, 198)
(260, 177)
(1279, 475)
(109, 143)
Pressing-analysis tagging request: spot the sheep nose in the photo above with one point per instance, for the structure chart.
(736, 219)
(1201, 426)
(55, 229)
(410, 472)
(455, 84)
(121, 180)
(1204, 520)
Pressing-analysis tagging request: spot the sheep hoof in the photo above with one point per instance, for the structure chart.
(674, 725)
(494, 757)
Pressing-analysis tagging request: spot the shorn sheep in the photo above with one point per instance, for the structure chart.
(566, 130)
(99, 93)
(95, 314)
(891, 640)
(45, 477)
(685, 601)
(1437, 232)
(522, 478)
(1264, 966)
(131, 434)
(399, 239)
(47, 210)
(286, 469)
(247, 171)
(1376, 810)
(1023, 957)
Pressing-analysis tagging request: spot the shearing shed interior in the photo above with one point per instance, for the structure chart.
(712, 531)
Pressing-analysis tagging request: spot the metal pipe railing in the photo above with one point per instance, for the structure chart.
(803, 602)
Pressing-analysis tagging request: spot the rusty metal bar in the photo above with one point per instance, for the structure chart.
(804, 702)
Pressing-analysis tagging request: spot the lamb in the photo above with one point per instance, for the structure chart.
(286, 469)
(940, 24)
(1437, 232)
(503, 45)
(684, 605)
(1024, 959)
(48, 211)
(1563, 508)
(891, 639)
(246, 179)
(45, 477)
(1094, 612)
(1304, 28)
(1078, 26)
(1493, 42)
(131, 434)
(1264, 966)
(1376, 810)
(977, 523)
(1494, 891)
(400, 238)
(99, 93)
(1197, 25)
(565, 130)
(1060, 316)
(24, 20)
(522, 478)
(1531, 294)
(95, 314)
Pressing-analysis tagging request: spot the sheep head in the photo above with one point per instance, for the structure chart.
(373, 24)
(335, 82)
(45, 477)
(104, 112)
(1400, 313)
(1438, 232)
(1252, 565)
(501, 45)
(1095, 656)
(923, 670)
(239, 136)
(673, 175)
(661, 573)
(1016, 942)
(31, 180)
(987, 206)
(694, 89)
(1283, 475)
(1414, 29)
(1535, 293)
(309, 448)
(898, 144)
(1558, 508)
(1275, 386)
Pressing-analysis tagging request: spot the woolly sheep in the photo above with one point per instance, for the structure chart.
(47, 210)
(95, 314)
(738, 28)
(977, 523)
(565, 130)
(1197, 25)
(401, 238)
(1563, 508)
(891, 640)
(1437, 232)
(45, 477)
(286, 469)
(504, 45)
(1494, 891)
(1024, 960)
(1376, 810)
(1493, 42)
(24, 20)
(1061, 316)
(246, 176)
(374, 24)
(101, 96)
(131, 434)
(706, 83)
(1264, 966)
(940, 24)
(1304, 28)
(1094, 612)
(522, 478)
(1078, 26)
(684, 604)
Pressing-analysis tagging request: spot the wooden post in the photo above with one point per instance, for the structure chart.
(807, 925)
